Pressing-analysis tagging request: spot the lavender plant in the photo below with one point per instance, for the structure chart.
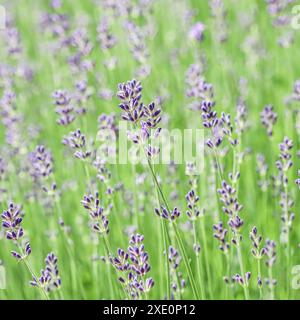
(202, 230)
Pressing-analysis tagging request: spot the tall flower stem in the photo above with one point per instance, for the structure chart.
(200, 276)
(228, 271)
(108, 254)
(33, 275)
(186, 261)
(220, 171)
(166, 241)
(240, 258)
(259, 276)
(271, 286)
(203, 231)
(43, 291)
(166, 245)
(69, 249)
(287, 229)
(177, 235)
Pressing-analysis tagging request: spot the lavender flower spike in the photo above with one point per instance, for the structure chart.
(76, 140)
(171, 216)
(130, 94)
(268, 118)
(99, 222)
(197, 32)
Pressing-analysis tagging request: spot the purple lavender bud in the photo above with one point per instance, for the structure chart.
(220, 234)
(76, 141)
(129, 94)
(62, 100)
(196, 32)
(171, 216)
(259, 282)
(268, 118)
(11, 221)
(16, 255)
(149, 284)
(41, 161)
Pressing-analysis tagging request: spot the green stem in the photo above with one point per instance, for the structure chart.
(186, 261)
(166, 241)
(259, 276)
(166, 246)
(287, 227)
(177, 234)
(43, 291)
(246, 291)
(198, 265)
(27, 264)
(206, 258)
(227, 261)
(108, 253)
(271, 286)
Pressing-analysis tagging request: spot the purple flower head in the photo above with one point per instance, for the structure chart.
(171, 216)
(137, 37)
(3, 168)
(41, 162)
(11, 222)
(65, 110)
(287, 217)
(193, 212)
(129, 94)
(133, 264)
(76, 140)
(296, 91)
(152, 115)
(228, 197)
(197, 87)
(284, 163)
(262, 169)
(235, 223)
(270, 252)
(197, 32)
(220, 233)
(268, 118)
(106, 39)
(49, 278)
(107, 122)
(56, 4)
(241, 119)
(174, 258)
(297, 181)
(256, 240)
(242, 280)
(99, 222)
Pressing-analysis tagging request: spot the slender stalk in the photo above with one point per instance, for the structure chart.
(161, 256)
(166, 241)
(166, 246)
(259, 276)
(287, 227)
(108, 253)
(43, 291)
(186, 261)
(220, 172)
(227, 261)
(178, 237)
(27, 264)
(246, 291)
(203, 231)
(198, 265)
(271, 286)
(69, 249)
